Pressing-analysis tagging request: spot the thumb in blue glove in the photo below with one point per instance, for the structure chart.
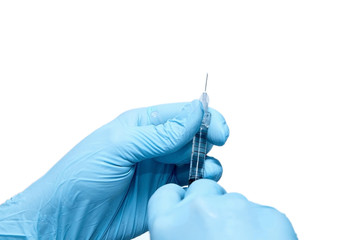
(100, 189)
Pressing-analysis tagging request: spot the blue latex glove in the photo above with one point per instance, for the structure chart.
(206, 211)
(101, 188)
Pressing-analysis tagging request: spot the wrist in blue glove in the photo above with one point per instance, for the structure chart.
(101, 188)
(206, 211)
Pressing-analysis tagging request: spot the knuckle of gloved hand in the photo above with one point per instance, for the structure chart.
(236, 201)
(270, 214)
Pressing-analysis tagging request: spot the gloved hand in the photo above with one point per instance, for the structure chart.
(101, 188)
(206, 211)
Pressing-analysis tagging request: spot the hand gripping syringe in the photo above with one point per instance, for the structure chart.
(198, 153)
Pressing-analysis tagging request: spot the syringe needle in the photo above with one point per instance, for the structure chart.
(206, 81)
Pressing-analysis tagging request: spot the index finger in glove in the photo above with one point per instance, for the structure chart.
(155, 115)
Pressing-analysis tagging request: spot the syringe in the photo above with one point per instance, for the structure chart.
(198, 153)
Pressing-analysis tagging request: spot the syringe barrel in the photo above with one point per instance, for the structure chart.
(199, 145)
(198, 153)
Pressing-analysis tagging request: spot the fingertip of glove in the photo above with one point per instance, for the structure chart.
(219, 130)
(204, 187)
(168, 189)
(213, 169)
(226, 133)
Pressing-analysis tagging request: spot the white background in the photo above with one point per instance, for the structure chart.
(285, 74)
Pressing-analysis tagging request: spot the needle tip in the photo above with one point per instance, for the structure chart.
(206, 81)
